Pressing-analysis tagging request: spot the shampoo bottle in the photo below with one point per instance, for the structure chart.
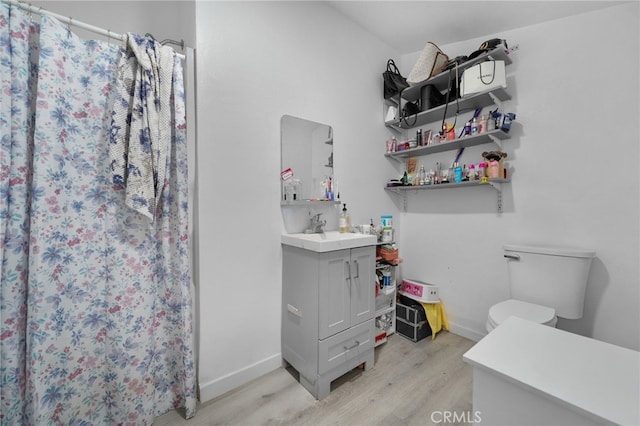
(345, 221)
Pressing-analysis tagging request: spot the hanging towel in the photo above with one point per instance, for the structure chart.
(436, 317)
(141, 122)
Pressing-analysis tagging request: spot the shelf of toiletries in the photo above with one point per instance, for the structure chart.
(387, 262)
(473, 183)
(385, 318)
(494, 183)
(464, 142)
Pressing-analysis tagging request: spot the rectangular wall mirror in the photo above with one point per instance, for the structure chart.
(307, 150)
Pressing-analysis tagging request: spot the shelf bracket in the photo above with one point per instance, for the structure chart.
(495, 100)
(498, 188)
(404, 201)
(398, 159)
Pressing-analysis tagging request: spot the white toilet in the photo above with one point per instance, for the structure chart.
(545, 282)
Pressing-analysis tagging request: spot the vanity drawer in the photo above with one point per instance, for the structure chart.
(339, 348)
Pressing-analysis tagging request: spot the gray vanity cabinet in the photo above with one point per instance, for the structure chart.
(328, 308)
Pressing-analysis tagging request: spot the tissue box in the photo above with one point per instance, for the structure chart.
(422, 292)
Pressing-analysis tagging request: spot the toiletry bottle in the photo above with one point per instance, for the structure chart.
(451, 132)
(345, 221)
(474, 126)
(431, 179)
(457, 173)
(422, 176)
(405, 179)
(482, 170)
(471, 174)
(330, 188)
(483, 124)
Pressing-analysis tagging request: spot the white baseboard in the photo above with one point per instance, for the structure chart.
(222, 385)
(465, 332)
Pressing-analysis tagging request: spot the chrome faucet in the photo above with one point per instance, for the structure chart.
(315, 224)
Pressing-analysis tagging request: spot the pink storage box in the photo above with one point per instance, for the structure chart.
(420, 291)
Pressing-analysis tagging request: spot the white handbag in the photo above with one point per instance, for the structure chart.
(482, 77)
(432, 61)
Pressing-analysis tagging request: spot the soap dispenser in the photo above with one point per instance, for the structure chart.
(345, 220)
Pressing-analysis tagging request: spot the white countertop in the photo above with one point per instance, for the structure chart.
(598, 378)
(329, 241)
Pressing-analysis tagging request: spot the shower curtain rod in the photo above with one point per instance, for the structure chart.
(70, 21)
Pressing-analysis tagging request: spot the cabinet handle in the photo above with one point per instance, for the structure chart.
(295, 311)
(347, 268)
(357, 275)
(512, 256)
(355, 345)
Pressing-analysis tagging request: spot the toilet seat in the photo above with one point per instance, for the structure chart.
(517, 308)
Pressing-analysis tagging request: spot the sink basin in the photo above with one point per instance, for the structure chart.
(328, 241)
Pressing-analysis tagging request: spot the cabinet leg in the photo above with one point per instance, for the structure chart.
(369, 360)
(324, 387)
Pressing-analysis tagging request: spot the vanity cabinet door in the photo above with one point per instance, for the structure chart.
(362, 284)
(334, 300)
(346, 289)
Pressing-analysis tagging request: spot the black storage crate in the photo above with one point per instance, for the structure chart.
(414, 332)
(409, 310)
(411, 320)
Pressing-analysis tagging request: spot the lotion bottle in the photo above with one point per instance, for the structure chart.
(345, 220)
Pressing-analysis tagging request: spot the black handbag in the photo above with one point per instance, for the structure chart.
(394, 82)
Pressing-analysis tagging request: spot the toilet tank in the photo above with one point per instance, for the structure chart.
(549, 276)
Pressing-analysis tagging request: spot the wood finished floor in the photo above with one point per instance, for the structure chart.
(408, 383)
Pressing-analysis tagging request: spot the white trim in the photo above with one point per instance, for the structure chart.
(229, 382)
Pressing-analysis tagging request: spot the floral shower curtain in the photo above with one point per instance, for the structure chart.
(95, 309)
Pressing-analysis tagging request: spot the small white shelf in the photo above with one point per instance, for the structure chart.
(385, 310)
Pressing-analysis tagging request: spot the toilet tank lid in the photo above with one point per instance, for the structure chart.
(552, 251)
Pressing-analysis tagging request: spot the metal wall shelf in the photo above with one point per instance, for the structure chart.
(493, 183)
(478, 100)
(441, 81)
(495, 136)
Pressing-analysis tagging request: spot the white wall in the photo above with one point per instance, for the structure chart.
(256, 62)
(575, 183)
